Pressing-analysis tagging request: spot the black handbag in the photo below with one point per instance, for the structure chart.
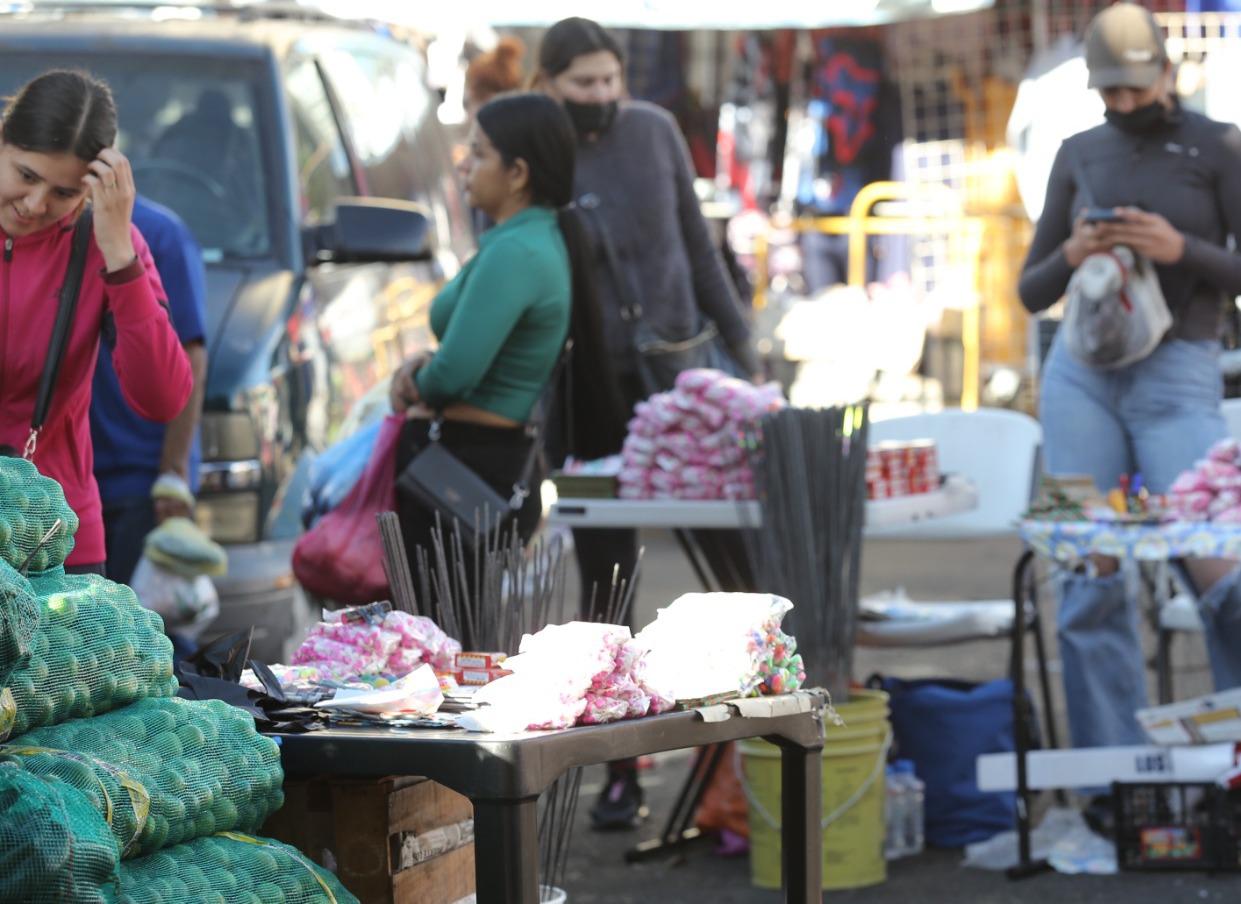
(63, 326)
(442, 483)
(657, 360)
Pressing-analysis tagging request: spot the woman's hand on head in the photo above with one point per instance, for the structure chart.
(1086, 239)
(1149, 234)
(111, 186)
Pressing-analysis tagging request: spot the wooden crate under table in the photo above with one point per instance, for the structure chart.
(362, 829)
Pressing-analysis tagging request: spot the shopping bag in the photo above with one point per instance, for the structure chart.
(944, 725)
(341, 557)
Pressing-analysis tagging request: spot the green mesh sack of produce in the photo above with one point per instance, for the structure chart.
(121, 800)
(54, 846)
(201, 762)
(96, 650)
(19, 619)
(30, 506)
(229, 869)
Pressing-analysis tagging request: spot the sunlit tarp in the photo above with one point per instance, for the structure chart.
(688, 15)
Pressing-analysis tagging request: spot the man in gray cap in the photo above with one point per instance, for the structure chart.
(1166, 183)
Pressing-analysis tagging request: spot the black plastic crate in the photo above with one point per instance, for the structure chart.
(1177, 826)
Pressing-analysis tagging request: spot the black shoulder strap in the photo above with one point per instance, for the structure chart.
(63, 326)
(631, 309)
(534, 429)
(1079, 177)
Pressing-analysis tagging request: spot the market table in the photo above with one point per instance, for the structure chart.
(504, 774)
(956, 494)
(1070, 541)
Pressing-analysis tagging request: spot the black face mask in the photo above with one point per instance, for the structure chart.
(591, 119)
(1143, 121)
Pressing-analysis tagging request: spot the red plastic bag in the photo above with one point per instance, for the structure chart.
(341, 557)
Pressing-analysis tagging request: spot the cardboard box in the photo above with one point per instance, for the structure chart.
(1093, 766)
(370, 832)
(479, 677)
(1213, 719)
(475, 661)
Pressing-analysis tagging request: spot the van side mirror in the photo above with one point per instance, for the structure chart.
(369, 230)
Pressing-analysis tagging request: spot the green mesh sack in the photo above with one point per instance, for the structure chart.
(121, 800)
(54, 846)
(19, 619)
(30, 506)
(203, 764)
(229, 869)
(96, 650)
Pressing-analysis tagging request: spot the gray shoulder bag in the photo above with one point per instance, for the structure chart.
(441, 482)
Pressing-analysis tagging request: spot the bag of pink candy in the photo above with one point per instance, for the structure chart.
(579, 673)
(1211, 490)
(687, 443)
(374, 640)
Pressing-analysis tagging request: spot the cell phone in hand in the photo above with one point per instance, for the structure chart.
(1102, 215)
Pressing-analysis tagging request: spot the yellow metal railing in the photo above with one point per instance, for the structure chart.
(964, 234)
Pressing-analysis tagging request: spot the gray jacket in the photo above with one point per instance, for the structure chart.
(1189, 172)
(636, 181)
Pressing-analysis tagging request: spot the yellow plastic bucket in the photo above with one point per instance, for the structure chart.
(854, 787)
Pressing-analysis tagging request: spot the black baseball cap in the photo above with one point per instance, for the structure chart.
(1124, 48)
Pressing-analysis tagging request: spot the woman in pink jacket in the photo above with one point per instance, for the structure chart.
(56, 156)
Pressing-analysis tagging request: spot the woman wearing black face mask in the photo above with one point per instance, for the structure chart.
(653, 249)
(1172, 181)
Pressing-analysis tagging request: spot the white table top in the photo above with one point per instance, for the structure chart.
(956, 495)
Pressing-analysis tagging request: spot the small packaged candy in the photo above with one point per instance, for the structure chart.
(475, 660)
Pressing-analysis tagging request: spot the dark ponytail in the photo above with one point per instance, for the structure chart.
(594, 409)
(534, 128)
(62, 112)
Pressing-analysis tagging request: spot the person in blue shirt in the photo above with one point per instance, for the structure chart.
(133, 455)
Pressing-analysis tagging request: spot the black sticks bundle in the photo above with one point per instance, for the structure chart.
(810, 473)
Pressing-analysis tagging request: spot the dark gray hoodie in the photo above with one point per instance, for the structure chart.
(1189, 171)
(641, 179)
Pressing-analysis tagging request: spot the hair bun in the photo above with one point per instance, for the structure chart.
(509, 50)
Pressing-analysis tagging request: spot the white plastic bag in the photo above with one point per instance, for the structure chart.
(1116, 313)
(187, 605)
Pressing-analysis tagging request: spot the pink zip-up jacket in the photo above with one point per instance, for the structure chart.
(153, 369)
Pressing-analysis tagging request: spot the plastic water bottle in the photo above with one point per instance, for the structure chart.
(913, 793)
(894, 814)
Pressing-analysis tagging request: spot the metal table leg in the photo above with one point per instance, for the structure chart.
(506, 838)
(801, 800)
(679, 830)
(1025, 865)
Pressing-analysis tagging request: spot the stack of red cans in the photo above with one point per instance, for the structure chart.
(901, 468)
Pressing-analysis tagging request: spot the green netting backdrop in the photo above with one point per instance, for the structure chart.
(54, 846)
(19, 619)
(201, 762)
(96, 649)
(229, 869)
(30, 505)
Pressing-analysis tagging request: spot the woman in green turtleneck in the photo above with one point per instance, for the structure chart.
(503, 320)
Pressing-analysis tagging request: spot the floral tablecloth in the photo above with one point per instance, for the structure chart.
(1069, 540)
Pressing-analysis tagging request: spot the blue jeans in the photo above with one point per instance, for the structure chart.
(1156, 417)
(126, 523)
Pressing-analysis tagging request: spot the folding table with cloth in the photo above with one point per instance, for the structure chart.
(1147, 544)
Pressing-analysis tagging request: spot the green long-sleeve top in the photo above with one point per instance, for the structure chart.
(502, 321)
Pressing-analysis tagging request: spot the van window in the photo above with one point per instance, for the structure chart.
(389, 114)
(324, 171)
(190, 128)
